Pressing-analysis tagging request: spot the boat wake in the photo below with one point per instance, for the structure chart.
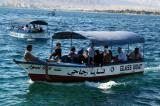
(55, 83)
(153, 69)
(30, 81)
(100, 85)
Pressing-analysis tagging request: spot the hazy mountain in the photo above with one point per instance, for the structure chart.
(85, 4)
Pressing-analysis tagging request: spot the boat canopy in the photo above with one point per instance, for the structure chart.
(99, 38)
(31, 21)
(68, 35)
(39, 22)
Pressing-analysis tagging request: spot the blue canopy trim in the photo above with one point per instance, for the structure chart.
(102, 37)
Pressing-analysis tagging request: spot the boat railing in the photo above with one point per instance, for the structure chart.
(23, 31)
(111, 63)
(63, 64)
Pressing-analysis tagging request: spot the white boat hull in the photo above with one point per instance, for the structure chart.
(43, 35)
(54, 72)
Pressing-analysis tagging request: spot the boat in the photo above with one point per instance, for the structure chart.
(52, 12)
(29, 29)
(73, 72)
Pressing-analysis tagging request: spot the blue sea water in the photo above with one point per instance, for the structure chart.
(16, 89)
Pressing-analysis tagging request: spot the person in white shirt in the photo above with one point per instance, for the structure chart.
(106, 50)
(26, 28)
(122, 56)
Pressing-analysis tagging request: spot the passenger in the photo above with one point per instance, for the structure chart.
(80, 55)
(39, 28)
(85, 57)
(73, 56)
(57, 53)
(110, 52)
(91, 54)
(28, 55)
(29, 29)
(107, 57)
(26, 28)
(20, 27)
(122, 56)
(135, 55)
(34, 29)
(80, 52)
(106, 50)
(97, 58)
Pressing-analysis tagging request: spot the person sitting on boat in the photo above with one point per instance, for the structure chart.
(39, 28)
(80, 55)
(28, 55)
(26, 28)
(106, 50)
(34, 29)
(97, 58)
(91, 54)
(85, 57)
(57, 53)
(80, 52)
(107, 55)
(73, 57)
(122, 56)
(20, 27)
(135, 55)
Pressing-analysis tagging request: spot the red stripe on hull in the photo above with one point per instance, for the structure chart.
(55, 78)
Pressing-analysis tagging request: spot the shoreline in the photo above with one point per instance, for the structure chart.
(124, 11)
(129, 11)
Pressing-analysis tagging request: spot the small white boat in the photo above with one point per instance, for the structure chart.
(52, 12)
(72, 72)
(29, 29)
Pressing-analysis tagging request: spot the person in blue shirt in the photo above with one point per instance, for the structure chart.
(122, 56)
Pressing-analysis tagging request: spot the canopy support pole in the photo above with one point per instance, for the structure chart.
(52, 46)
(71, 41)
(47, 29)
(128, 48)
(143, 50)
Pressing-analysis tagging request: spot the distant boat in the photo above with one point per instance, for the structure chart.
(76, 72)
(52, 13)
(29, 29)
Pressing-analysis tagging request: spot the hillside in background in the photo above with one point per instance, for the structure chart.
(114, 6)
